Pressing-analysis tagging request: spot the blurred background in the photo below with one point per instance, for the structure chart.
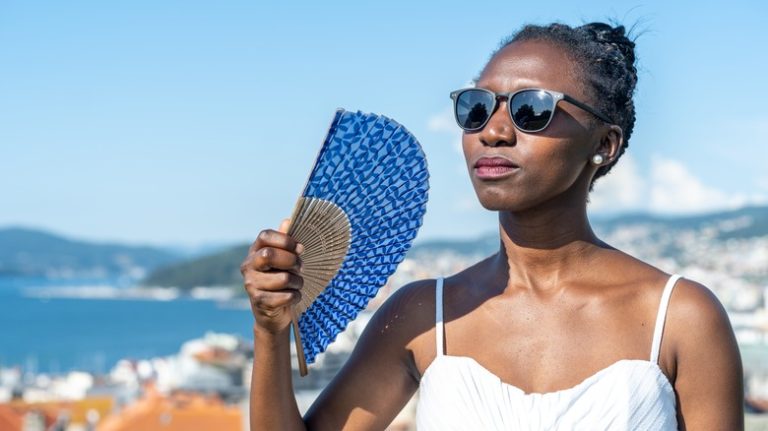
(143, 145)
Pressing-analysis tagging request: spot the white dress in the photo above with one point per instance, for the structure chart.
(457, 393)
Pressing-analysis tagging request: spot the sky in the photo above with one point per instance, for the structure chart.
(190, 123)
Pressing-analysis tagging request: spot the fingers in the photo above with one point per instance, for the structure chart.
(272, 276)
(267, 258)
(284, 226)
(271, 292)
(273, 281)
(277, 239)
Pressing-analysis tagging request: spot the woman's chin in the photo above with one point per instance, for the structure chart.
(495, 204)
(495, 199)
(512, 204)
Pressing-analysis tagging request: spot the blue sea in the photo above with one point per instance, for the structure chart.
(50, 334)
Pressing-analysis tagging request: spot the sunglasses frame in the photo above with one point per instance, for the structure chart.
(556, 97)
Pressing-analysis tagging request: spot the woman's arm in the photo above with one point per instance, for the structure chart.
(376, 382)
(380, 376)
(709, 377)
(272, 281)
(273, 404)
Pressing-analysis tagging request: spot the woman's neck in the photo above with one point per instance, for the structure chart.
(540, 247)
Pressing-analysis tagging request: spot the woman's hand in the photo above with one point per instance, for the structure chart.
(272, 279)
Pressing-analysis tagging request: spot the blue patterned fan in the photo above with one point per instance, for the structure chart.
(358, 215)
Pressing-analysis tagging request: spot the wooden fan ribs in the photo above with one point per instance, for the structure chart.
(323, 228)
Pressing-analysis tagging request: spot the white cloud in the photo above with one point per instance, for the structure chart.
(622, 190)
(669, 188)
(675, 190)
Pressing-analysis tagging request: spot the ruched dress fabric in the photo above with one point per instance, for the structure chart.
(457, 393)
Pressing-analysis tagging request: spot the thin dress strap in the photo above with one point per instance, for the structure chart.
(439, 317)
(661, 318)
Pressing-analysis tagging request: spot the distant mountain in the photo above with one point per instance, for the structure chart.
(740, 223)
(28, 252)
(217, 269)
(223, 268)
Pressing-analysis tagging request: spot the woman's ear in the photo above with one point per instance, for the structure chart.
(610, 143)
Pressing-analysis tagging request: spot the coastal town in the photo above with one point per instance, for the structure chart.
(205, 385)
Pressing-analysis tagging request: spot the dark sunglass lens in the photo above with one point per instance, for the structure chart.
(473, 107)
(531, 109)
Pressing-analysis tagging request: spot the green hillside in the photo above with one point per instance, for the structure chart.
(218, 269)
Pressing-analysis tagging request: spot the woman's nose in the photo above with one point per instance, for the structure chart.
(499, 130)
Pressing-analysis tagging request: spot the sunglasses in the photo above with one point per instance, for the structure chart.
(530, 109)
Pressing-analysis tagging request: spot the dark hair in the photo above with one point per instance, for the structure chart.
(606, 57)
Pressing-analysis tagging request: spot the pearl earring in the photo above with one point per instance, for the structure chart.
(597, 159)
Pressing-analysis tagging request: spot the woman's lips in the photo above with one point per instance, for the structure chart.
(494, 167)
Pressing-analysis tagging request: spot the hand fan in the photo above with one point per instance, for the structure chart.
(358, 215)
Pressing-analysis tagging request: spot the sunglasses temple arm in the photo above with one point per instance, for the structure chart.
(587, 108)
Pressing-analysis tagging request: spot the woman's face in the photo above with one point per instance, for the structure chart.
(535, 167)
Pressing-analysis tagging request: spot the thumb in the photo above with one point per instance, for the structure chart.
(284, 225)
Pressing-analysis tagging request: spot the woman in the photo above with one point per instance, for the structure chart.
(557, 330)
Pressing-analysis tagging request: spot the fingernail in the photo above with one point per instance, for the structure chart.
(299, 248)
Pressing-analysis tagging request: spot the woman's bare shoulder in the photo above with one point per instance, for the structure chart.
(407, 318)
(413, 305)
(690, 299)
(696, 315)
(639, 278)
(405, 315)
(695, 319)
(708, 377)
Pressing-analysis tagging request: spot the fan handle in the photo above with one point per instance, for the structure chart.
(299, 349)
(300, 358)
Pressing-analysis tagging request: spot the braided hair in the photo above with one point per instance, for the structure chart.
(606, 57)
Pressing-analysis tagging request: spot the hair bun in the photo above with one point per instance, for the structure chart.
(615, 36)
